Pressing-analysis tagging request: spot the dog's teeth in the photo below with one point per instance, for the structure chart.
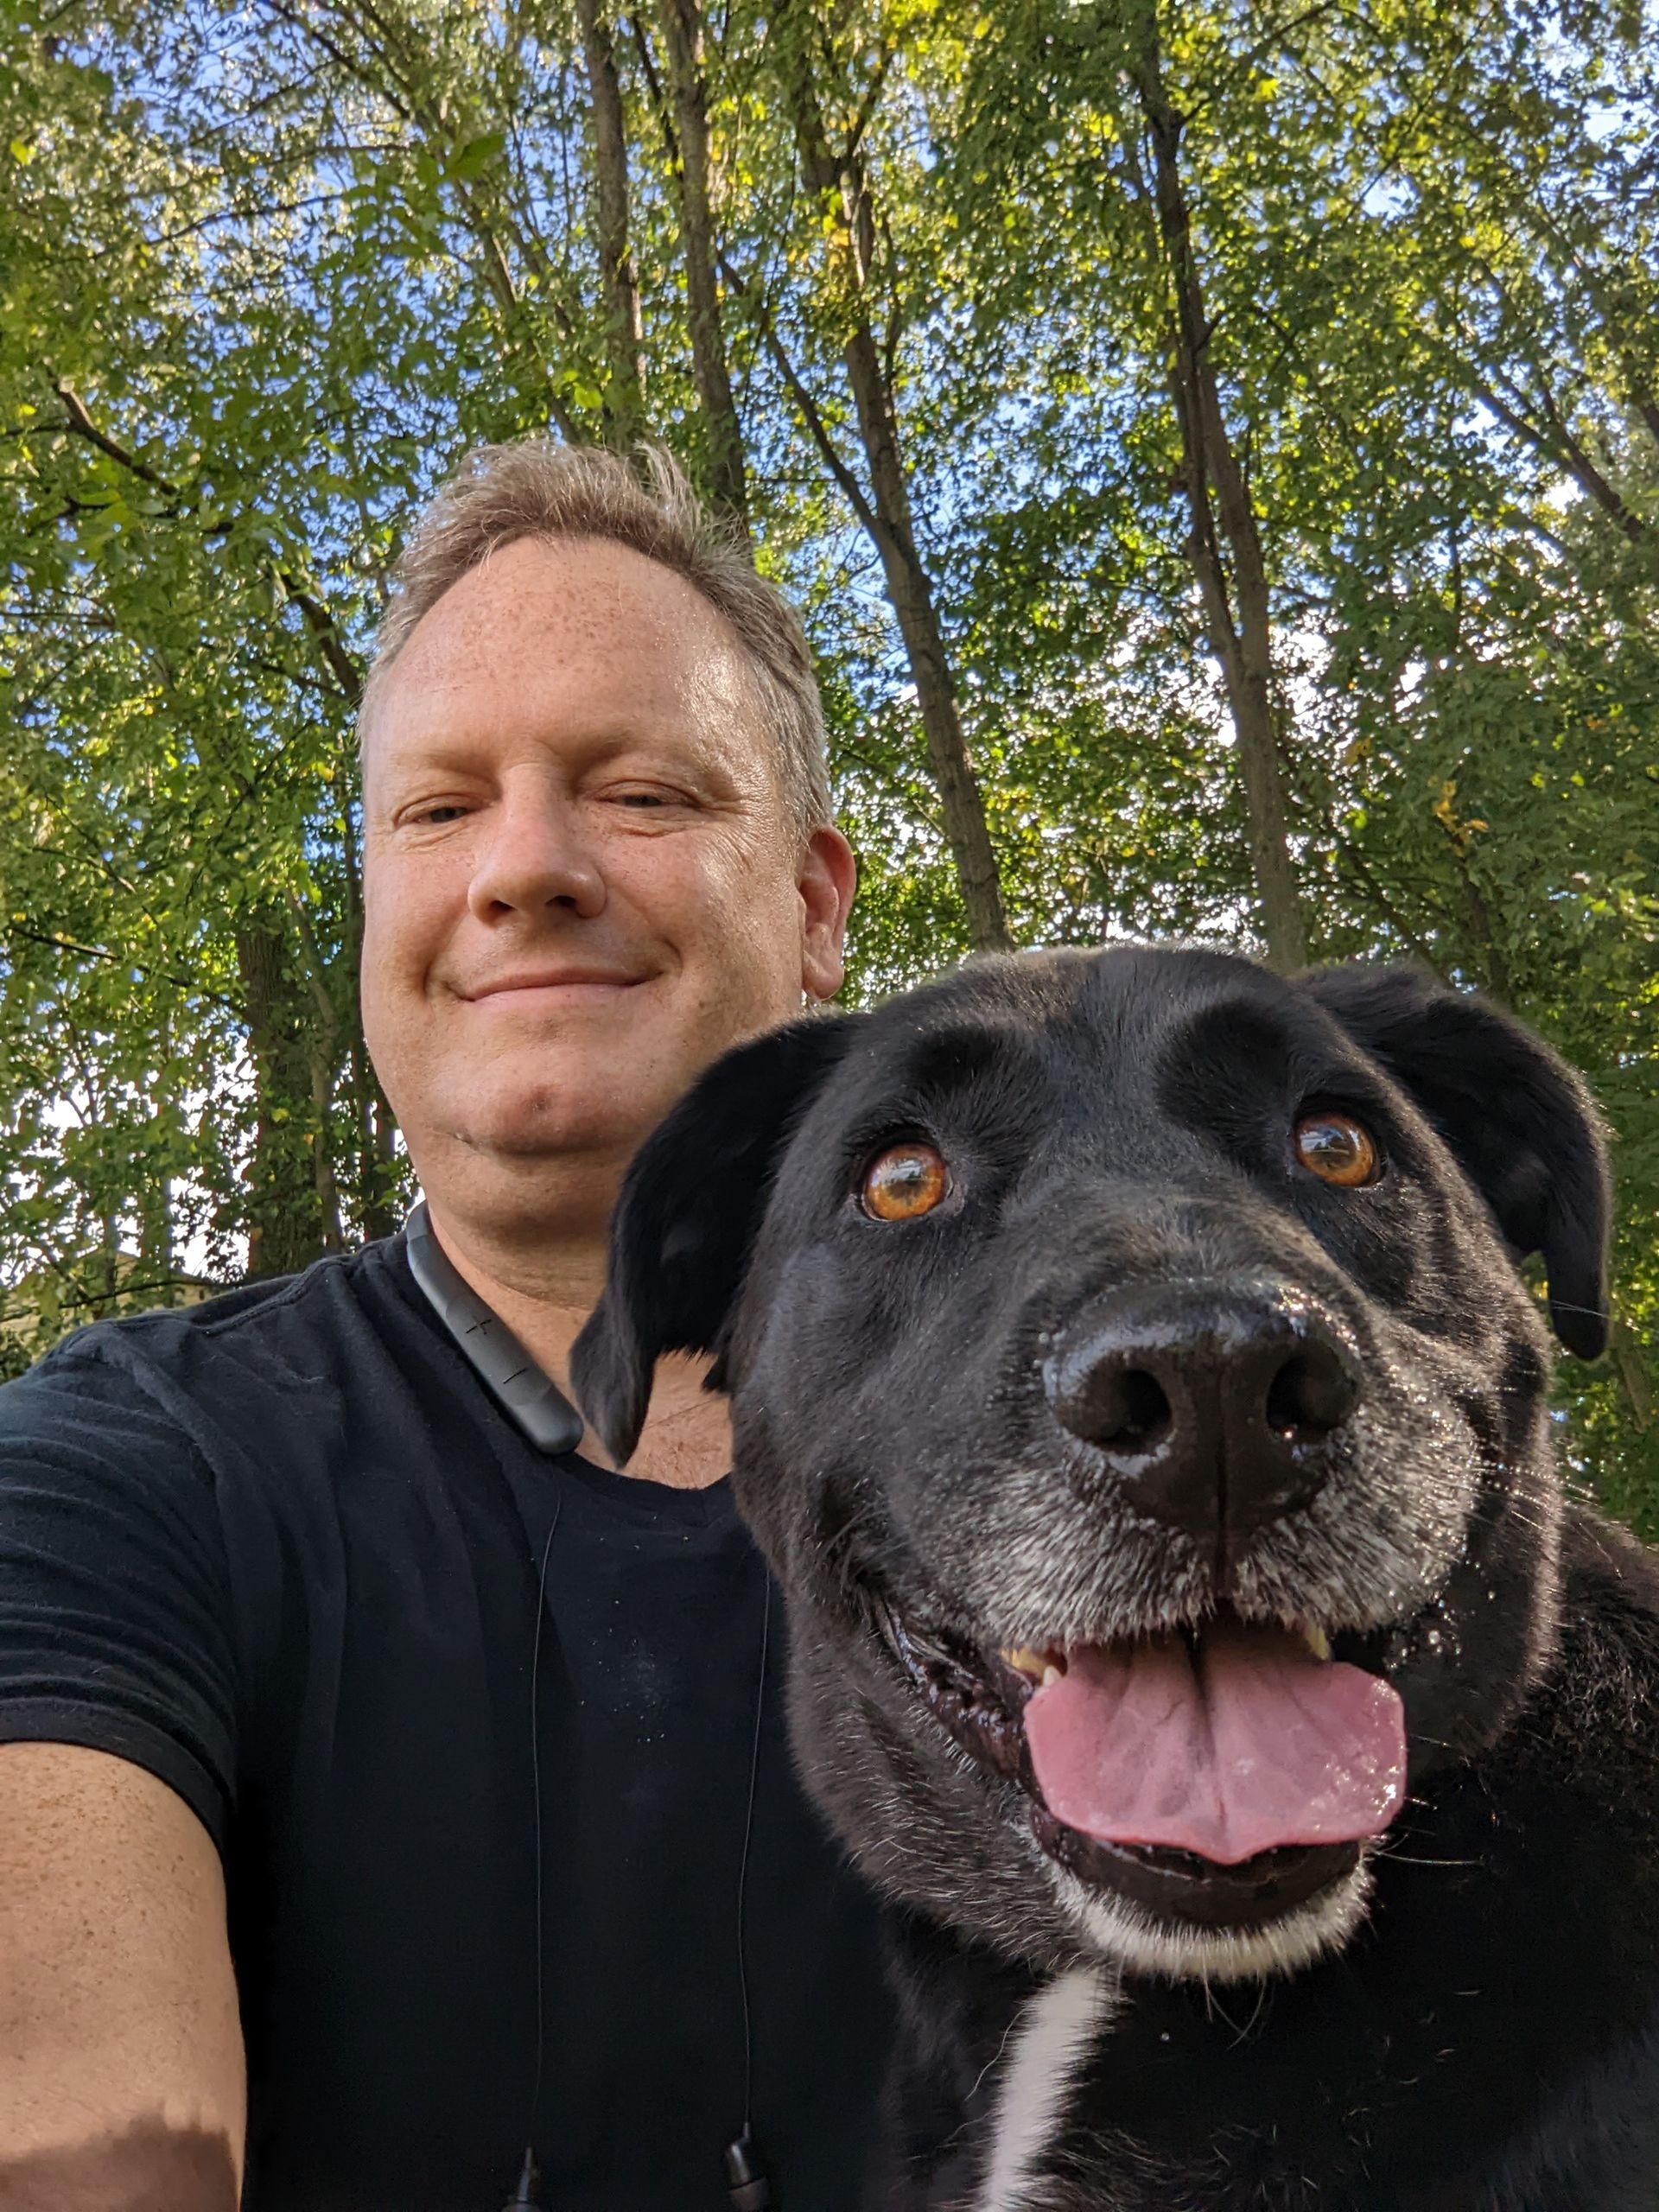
(1025, 1662)
(1051, 1674)
(1317, 1641)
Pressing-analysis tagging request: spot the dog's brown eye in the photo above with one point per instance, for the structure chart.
(904, 1182)
(1337, 1149)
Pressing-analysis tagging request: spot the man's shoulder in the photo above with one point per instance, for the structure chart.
(308, 1329)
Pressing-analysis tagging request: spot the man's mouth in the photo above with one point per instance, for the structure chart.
(1220, 1775)
(529, 990)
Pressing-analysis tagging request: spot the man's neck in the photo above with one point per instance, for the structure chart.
(686, 1440)
(542, 1294)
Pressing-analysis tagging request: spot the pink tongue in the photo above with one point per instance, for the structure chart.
(1261, 1744)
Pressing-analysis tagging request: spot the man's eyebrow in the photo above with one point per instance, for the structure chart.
(424, 752)
(442, 747)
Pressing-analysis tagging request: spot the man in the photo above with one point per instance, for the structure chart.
(292, 1764)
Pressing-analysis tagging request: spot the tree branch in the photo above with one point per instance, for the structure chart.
(116, 960)
(851, 489)
(325, 636)
(325, 632)
(1564, 449)
(84, 426)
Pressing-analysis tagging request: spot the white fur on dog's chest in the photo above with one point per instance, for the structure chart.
(1050, 2042)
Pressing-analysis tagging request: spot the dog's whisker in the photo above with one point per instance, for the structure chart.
(1409, 1858)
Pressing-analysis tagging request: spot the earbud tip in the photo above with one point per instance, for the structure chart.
(746, 2177)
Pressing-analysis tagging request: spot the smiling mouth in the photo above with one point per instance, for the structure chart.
(563, 989)
(1218, 1777)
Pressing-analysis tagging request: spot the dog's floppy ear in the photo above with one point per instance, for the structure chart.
(1522, 1124)
(686, 1217)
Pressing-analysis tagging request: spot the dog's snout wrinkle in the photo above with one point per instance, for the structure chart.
(1215, 1408)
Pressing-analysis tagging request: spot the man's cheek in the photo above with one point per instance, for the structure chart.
(415, 918)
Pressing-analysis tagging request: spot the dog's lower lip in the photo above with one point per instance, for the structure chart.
(1176, 1886)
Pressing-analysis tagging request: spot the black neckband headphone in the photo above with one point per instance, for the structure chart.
(534, 1404)
(542, 1414)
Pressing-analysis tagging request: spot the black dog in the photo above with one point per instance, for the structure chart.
(1137, 1401)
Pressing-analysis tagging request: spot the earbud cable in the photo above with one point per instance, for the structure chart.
(743, 1864)
(752, 2189)
(535, 1786)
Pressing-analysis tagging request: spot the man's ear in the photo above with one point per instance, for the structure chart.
(1520, 1123)
(686, 1217)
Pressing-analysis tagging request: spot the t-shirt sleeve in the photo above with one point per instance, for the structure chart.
(115, 1611)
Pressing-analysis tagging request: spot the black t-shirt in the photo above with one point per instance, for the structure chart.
(282, 1549)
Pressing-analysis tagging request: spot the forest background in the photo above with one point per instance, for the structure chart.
(1215, 447)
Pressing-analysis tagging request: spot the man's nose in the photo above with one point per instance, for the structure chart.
(1218, 1407)
(535, 856)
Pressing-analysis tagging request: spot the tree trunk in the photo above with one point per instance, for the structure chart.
(375, 1182)
(1238, 618)
(156, 1260)
(1631, 1370)
(285, 1216)
(910, 593)
(324, 1181)
(842, 191)
(155, 1195)
(375, 1175)
(625, 391)
(681, 28)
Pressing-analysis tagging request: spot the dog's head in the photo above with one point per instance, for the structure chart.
(1136, 1398)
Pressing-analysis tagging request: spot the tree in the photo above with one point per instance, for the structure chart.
(1214, 448)
(625, 406)
(837, 179)
(685, 130)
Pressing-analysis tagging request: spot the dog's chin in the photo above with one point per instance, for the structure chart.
(1141, 1940)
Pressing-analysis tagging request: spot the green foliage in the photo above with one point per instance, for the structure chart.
(266, 271)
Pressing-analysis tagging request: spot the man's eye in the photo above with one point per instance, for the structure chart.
(640, 798)
(440, 815)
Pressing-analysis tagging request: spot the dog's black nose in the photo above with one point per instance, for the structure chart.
(1215, 1408)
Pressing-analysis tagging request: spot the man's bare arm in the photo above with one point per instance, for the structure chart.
(121, 2082)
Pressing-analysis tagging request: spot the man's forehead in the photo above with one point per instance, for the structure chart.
(569, 597)
(552, 629)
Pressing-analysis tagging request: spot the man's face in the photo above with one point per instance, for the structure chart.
(581, 882)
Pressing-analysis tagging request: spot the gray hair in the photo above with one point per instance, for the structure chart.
(534, 487)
